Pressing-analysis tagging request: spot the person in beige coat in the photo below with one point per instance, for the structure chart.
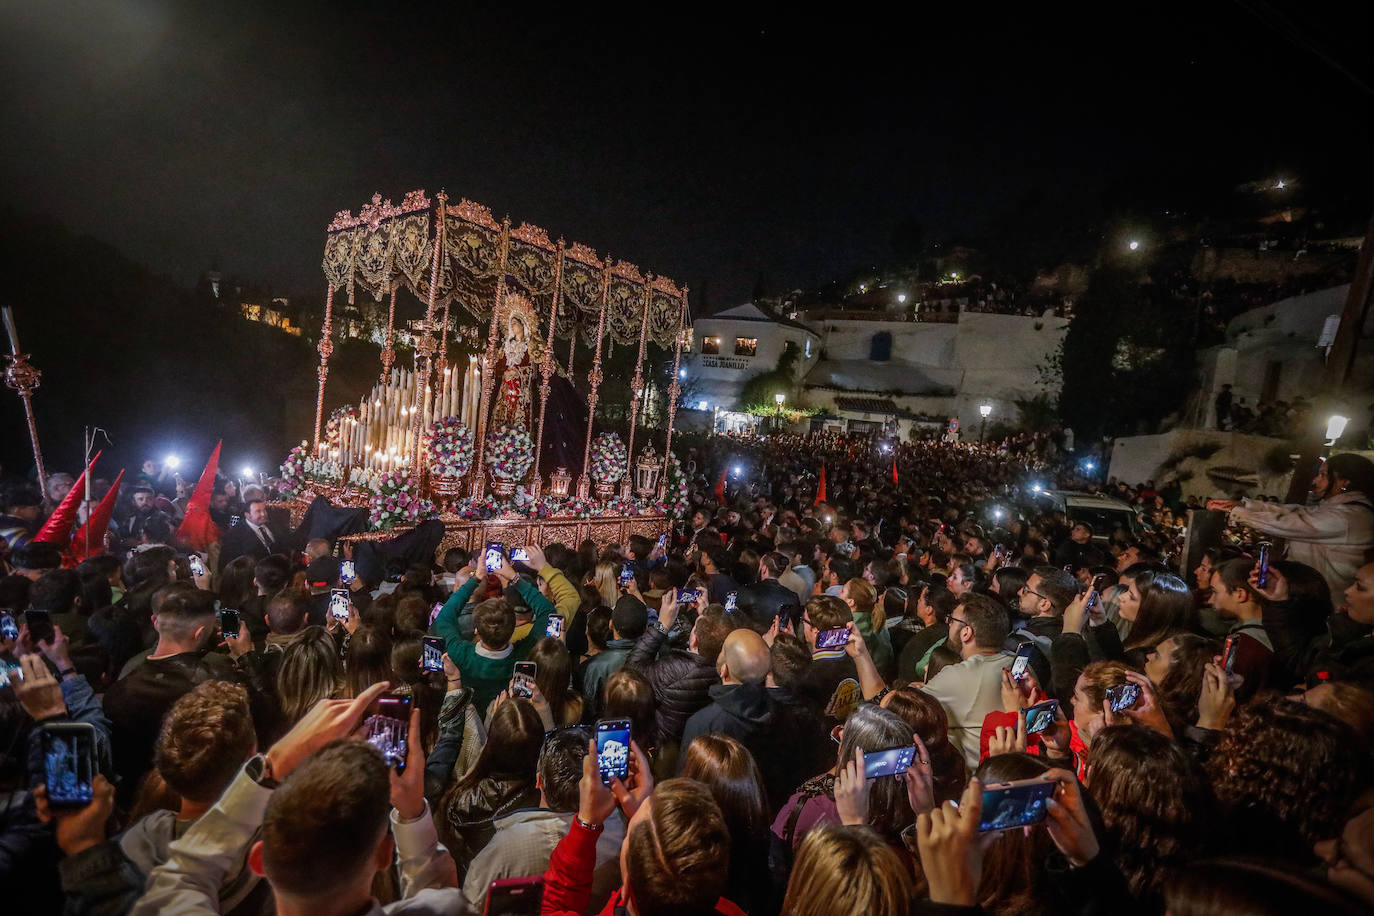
(1333, 536)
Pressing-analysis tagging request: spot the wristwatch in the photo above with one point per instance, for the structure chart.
(259, 769)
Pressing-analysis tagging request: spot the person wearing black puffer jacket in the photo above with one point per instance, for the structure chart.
(681, 678)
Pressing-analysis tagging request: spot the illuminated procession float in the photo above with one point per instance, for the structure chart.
(504, 448)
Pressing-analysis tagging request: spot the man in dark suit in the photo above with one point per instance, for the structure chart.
(765, 599)
(254, 536)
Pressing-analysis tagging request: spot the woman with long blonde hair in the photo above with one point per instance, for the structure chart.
(607, 582)
(309, 672)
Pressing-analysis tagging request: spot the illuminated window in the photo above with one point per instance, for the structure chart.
(710, 346)
(746, 346)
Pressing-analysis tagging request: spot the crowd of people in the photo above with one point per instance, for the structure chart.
(858, 676)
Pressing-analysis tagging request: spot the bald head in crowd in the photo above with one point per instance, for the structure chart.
(744, 659)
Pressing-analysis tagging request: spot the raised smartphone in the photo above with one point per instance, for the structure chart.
(613, 749)
(1015, 804)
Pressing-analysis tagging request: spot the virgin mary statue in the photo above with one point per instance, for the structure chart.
(515, 399)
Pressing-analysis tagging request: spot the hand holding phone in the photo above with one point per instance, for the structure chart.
(229, 623)
(69, 763)
(1015, 804)
(432, 653)
(1040, 716)
(1262, 567)
(627, 575)
(833, 638)
(1022, 662)
(555, 627)
(889, 762)
(387, 728)
(40, 626)
(613, 749)
(522, 683)
(1123, 696)
(338, 604)
(347, 572)
(197, 567)
(494, 556)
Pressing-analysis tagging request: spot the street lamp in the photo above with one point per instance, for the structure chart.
(778, 399)
(1134, 245)
(984, 411)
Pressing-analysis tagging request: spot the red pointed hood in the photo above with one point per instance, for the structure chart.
(59, 525)
(97, 524)
(197, 531)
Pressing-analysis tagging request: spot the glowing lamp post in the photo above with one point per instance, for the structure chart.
(1335, 428)
(779, 399)
(984, 411)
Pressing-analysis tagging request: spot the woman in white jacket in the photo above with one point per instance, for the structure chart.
(1333, 536)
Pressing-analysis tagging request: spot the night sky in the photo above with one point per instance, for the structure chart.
(715, 147)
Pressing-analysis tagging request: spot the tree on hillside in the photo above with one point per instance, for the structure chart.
(759, 390)
(1128, 354)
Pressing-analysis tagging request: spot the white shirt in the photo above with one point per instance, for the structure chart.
(969, 691)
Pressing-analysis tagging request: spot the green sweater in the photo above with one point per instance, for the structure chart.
(879, 644)
(487, 677)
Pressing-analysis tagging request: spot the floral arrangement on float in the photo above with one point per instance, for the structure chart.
(366, 478)
(509, 456)
(322, 470)
(610, 460)
(676, 499)
(293, 476)
(333, 427)
(449, 447)
(395, 501)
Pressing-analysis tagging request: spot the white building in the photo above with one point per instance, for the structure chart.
(1278, 352)
(862, 369)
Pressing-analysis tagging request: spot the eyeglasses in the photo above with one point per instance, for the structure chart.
(962, 623)
(1027, 588)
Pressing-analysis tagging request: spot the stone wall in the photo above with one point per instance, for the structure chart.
(1237, 468)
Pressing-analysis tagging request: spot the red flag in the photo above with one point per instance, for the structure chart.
(820, 489)
(197, 530)
(720, 486)
(59, 525)
(96, 525)
(894, 469)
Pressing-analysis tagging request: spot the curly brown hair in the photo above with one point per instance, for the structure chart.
(1179, 689)
(1155, 802)
(1287, 774)
(206, 736)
